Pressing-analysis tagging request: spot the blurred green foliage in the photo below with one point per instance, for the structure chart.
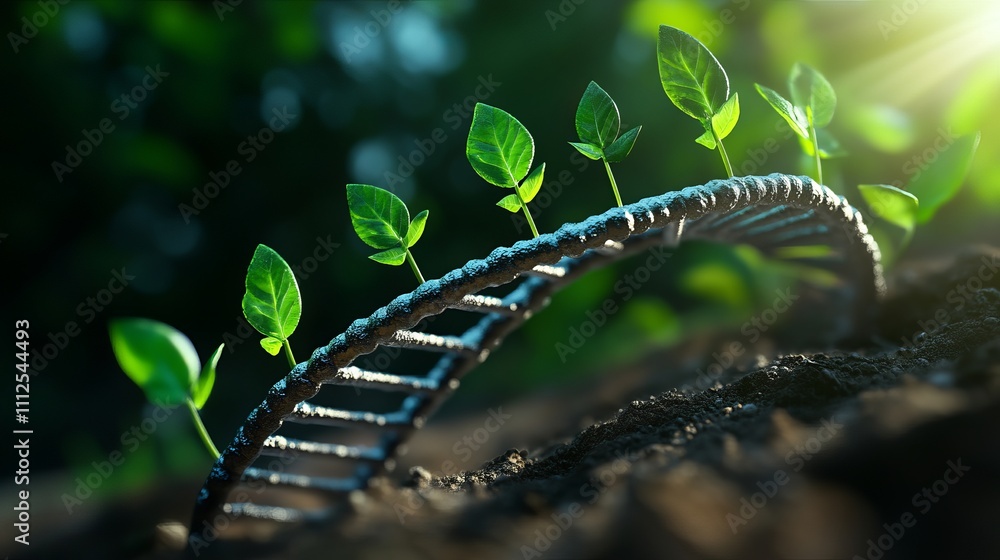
(367, 90)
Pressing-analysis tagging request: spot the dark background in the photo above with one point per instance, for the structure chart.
(363, 93)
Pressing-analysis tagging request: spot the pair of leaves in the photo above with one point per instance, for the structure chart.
(696, 83)
(930, 190)
(812, 106)
(272, 302)
(382, 221)
(500, 150)
(598, 123)
(163, 362)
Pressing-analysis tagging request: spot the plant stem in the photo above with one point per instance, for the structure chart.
(524, 206)
(722, 151)
(413, 265)
(288, 353)
(815, 141)
(202, 432)
(614, 185)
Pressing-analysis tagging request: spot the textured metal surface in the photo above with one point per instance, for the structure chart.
(766, 212)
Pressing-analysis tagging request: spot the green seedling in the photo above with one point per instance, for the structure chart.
(164, 364)
(926, 193)
(810, 110)
(272, 303)
(696, 83)
(501, 150)
(382, 221)
(597, 124)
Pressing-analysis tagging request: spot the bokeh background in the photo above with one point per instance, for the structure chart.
(365, 85)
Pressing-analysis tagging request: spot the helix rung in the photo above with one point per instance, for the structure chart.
(486, 304)
(413, 340)
(274, 444)
(546, 271)
(332, 485)
(306, 413)
(357, 377)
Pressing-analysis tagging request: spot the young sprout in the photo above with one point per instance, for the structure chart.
(696, 83)
(272, 303)
(500, 150)
(165, 365)
(597, 124)
(382, 221)
(810, 110)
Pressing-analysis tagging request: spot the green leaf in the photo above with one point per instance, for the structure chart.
(597, 119)
(379, 217)
(792, 115)
(202, 388)
(706, 139)
(532, 184)
(893, 205)
(395, 256)
(271, 345)
(416, 229)
(621, 147)
(499, 148)
(810, 90)
(691, 76)
(272, 303)
(724, 121)
(591, 151)
(510, 203)
(157, 357)
(942, 179)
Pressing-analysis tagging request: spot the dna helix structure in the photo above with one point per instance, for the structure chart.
(769, 213)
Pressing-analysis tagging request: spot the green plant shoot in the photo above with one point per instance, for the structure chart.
(810, 110)
(164, 364)
(925, 194)
(696, 83)
(382, 221)
(272, 303)
(598, 124)
(501, 150)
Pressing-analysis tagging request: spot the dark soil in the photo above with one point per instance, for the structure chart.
(886, 450)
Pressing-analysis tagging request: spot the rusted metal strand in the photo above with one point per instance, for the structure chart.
(786, 207)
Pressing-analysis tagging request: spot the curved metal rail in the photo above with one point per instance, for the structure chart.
(767, 212)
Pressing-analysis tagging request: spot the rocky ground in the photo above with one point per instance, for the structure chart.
(884, 450)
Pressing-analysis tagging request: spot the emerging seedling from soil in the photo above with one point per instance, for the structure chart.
(811, 109)
(926, 193)
(164, 364)
(597, 124)
(696, 83)
(501, 150)
(272, 303)
(382, 221)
